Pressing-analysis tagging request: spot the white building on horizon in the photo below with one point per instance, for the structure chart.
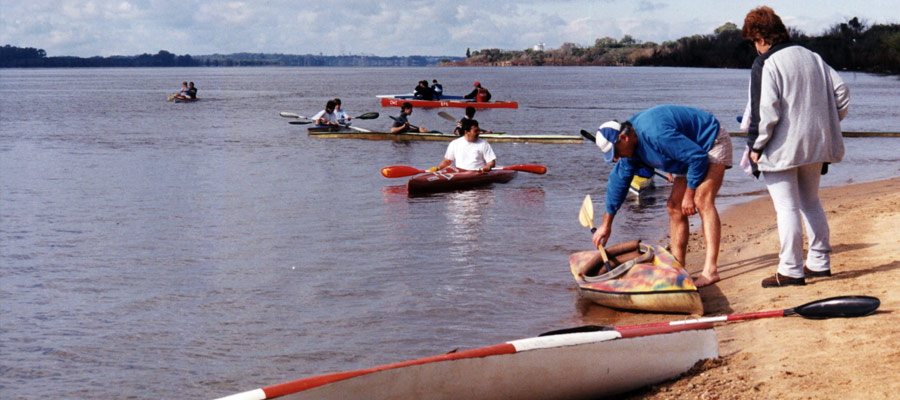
(538, 47)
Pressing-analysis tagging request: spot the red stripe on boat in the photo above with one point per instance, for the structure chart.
(314, 381)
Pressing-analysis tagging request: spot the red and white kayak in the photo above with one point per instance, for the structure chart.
(453, 178)
(583, 365)
(396, 100)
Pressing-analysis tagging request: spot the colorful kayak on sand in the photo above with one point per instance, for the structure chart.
(584, 365)
(644, 277)
(396, 100)
(452, 178)
(438, 136)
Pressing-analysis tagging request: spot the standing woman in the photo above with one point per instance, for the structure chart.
(797, 102)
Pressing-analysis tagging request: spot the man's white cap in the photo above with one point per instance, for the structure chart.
(607, 135)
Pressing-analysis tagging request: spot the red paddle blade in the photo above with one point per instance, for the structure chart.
(399, 171)
(532, 168)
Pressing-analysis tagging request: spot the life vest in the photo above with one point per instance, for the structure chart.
(481, 96)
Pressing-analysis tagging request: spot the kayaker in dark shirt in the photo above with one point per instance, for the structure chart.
(479, 94)
(437, 89)
(423, 92)
(401, 124)
(192, 91)
(470, 115)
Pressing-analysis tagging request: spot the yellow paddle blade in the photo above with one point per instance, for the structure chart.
(586, 216)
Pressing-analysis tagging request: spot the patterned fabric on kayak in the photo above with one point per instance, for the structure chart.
(663, 274)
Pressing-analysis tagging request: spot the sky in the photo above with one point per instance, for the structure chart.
(87, 28)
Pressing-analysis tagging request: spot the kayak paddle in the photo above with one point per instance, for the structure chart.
(586, 217)
(832, 307)
(445, 115)
(400, 171)
(368, 115)
(593, 139)
(300, 122)
(291, 115)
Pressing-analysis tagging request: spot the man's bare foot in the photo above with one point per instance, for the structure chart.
(703, 280)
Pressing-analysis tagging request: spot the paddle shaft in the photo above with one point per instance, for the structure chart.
(400, 171)
(832, 307)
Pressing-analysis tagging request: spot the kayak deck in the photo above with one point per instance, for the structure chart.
(443, 137)
(453, 178)
(445, 101)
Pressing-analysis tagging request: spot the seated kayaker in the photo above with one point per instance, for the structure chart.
(469, 152)
(192, 91)
(342, 117)
(401, 124)
(470, 114)
(479, 94)
(326, 117)
(437, 89)
(183, 93)
(681, 140)
(423, 92)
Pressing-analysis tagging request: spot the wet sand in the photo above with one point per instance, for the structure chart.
(793, 357)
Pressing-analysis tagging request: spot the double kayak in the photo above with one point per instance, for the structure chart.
(582, 365)
(348, 133)
(453, 178)
(396, 100)
(643, 277)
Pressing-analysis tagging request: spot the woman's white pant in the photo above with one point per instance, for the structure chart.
(795, 194)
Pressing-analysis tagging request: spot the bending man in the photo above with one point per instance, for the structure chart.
(684, 141)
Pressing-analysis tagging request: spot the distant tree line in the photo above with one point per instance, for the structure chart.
(18, 57)
(848, 46)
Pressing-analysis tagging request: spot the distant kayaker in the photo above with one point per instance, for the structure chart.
(437, 89)
(342, 117)
(423, 92)
(684, 141)
(470, 114)
(192, 91)
(327, 116)
(184, 90)
(469, 152)
(797, 104)
(479, 94)
(401, 124)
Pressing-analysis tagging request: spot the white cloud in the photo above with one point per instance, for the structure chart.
(423, 27)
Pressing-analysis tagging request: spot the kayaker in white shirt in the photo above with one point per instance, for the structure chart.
(469, 152)
(327, 116)
(342, 117)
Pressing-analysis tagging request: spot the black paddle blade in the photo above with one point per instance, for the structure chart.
(838, 307)
(368, 115)
(579, 329)
(588, 135)
(299, 122)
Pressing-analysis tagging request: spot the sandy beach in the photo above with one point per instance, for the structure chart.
(793, 357)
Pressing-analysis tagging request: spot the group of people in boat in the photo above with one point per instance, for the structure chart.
(332, 115)
(425, 92)
(188, 91)
(436, 91)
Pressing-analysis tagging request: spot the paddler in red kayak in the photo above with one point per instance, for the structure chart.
(469, 152)
(684, 141)
(479, 94)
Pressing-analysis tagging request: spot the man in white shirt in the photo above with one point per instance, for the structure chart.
(326, 117)
(469, 152)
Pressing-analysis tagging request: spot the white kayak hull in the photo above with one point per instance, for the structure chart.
(568, 366)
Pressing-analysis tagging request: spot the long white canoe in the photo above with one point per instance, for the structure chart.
(567, 366)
